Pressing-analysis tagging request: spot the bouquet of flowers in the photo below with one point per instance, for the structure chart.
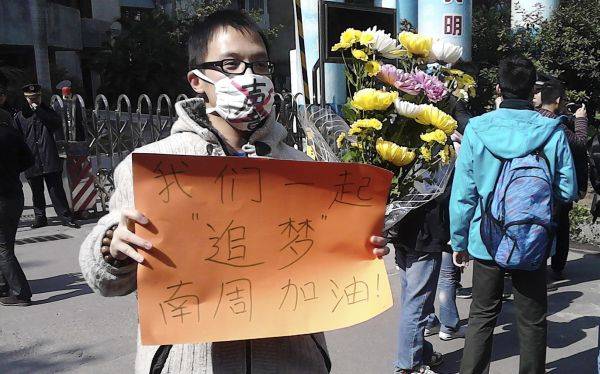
(400, 94)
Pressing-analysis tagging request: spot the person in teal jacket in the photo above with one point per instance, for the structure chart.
(515, 129)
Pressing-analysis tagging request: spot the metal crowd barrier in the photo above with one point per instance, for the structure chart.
(111, 134)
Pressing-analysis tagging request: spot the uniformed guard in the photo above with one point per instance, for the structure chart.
(38, 124)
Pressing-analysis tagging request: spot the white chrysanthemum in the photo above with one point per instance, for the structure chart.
(444, 51)
(407, 109)
(383, 43)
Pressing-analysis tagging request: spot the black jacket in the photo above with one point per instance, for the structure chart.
(37, 129)
(6, 117)
(427, 228)
(15, 157)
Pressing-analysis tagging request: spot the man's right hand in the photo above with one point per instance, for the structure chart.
(123, 240)
(461, 259)
(581, 112)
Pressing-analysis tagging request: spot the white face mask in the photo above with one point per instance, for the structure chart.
(244, 101)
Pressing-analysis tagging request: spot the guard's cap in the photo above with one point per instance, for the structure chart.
(32, 89)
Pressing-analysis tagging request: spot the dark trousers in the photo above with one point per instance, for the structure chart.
(531, 304)
(56, 192)
(12, 278)
(559, 260)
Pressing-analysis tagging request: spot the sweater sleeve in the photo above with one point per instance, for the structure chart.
(464, 197)
(101, 276)
(580, 135)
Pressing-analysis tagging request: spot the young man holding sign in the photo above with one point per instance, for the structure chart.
(230, 72)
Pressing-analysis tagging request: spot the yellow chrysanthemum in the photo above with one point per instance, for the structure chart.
(310, 152)
(435, 136)
(368, 123)
(372, 99)
(340, 139)
(367, 38)
(416, 44)
(426, 153)
(430, 115)
(372, 68)
(392, 152)
(465, 80)
(445, 154)
(454, 71)
(360, 55)
(364, 124)
(340, 45)
(350, 36)
(354, 130)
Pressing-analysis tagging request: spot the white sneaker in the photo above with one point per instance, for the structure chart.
(460, 333)
(432, 331)
(423, 370)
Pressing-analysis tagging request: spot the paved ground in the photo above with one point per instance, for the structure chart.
(70, 329)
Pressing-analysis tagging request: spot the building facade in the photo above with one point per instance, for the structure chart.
(53, 40)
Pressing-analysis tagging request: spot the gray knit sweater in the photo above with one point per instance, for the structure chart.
(190, 136)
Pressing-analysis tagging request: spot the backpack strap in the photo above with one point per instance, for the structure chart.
(160, 359)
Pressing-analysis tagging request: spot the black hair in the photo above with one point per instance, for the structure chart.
(516, 77)
(551, 91)
(203, 32)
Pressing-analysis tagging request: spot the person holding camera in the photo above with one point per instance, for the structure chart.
(575, 125)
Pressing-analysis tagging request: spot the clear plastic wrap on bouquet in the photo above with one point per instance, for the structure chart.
(323, 126)
(427, 184)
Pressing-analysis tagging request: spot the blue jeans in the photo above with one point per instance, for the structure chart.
(418, 278)
(446, 287)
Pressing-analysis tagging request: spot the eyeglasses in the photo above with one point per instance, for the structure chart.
(237, 67)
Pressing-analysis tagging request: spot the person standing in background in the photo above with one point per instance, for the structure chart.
(37, 124)
(576, 129)
(15, 157)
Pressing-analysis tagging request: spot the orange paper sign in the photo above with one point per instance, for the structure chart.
(253, 248)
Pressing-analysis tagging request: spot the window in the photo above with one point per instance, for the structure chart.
(257, 5)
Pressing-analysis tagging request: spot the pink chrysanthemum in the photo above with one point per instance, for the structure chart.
(398, 78)
(431, 85)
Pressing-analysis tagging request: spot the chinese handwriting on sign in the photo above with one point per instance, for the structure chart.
(250, 248)
(355, 292)
(180, 306)
(238, 295)
(308, 293)
(170, 177)
(228, 177)
(358, 195)
(230, 247)
(300, 242)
